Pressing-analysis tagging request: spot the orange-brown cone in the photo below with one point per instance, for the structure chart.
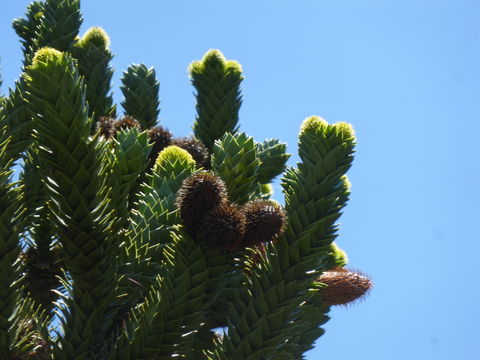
(343, 286)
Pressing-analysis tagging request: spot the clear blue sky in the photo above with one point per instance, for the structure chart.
(406, 74)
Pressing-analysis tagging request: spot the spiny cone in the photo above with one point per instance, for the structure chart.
(219, 98)
(106, 127)
(223, 227)
(265, 221)
(198, 151)
(140, 90)
(126, 122)
(160, 139)
(343, 286)
(199, 194)
(93, 55)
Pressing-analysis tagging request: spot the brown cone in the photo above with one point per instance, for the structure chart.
(343, 286)
(105, 126)
(224, 227)
(200, 194)
(126, 122)
(198, 151)
(265, 221)
(160, 138)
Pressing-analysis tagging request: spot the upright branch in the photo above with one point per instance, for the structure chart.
(9, 249)
(93, 55)
(217, 82)
(140, 89)
(82, 220)
(53, 23)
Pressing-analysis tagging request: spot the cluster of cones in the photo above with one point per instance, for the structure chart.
(209, 217)
(159, 137)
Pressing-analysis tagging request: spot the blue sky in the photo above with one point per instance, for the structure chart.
(406, 74)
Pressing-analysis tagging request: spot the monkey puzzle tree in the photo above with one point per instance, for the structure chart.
(121, 241)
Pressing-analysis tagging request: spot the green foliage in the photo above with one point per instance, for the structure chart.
(93, 56)
(236, 160)
(274, 157)
(140, 90)
(17, 121)
(217, 82)
(26, 27)
(9, 250)
(121, 241)
(53, 23)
